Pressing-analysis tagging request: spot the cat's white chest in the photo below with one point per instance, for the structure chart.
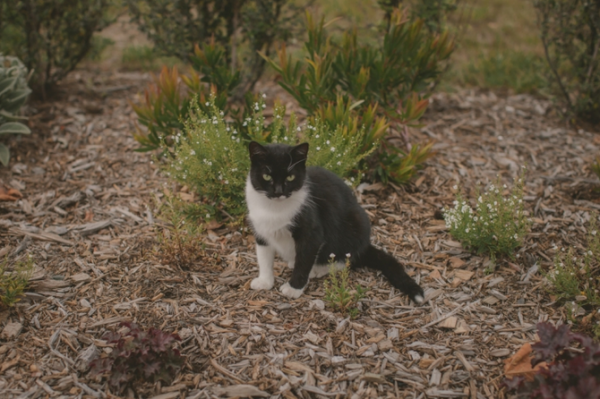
(272, 218)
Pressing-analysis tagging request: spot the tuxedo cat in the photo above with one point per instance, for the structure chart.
(306, 215)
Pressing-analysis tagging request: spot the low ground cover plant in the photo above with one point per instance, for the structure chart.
(14, 92)
(138, 356)
(178, 242)
(339, 294)
(572, 367)
(574, 280)
(497, 225)
(14, 281)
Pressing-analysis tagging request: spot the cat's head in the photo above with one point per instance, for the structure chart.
(277, 170)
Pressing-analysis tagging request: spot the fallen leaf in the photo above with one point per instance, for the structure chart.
(9, 194)
(520, 364)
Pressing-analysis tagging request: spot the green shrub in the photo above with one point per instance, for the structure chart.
(97, 47)
(241, 27)
(13, 94)
(13, 283)
(211, 155)
(391, 79)
(167, 102)
(51, 37)
(498, 224)
(570, 35)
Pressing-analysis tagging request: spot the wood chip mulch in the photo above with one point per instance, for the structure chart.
(87, 216)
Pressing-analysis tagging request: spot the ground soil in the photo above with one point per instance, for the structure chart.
(88, 218)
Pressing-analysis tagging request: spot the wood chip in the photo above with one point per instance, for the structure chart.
(241, 390)
(12, 330)
(91, 228)
(450, 322)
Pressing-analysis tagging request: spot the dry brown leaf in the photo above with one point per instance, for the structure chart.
(520, 364)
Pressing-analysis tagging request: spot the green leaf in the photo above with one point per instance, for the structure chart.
(14, 127)
(4, 154)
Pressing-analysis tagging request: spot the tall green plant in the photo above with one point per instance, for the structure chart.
(391, 81)
(13, 94)
(570, 33)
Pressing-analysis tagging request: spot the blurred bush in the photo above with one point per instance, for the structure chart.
(241, 27)
(570, 32)
(13, 94)
(51, 37)
(519, 71)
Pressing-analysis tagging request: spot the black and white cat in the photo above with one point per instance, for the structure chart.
(306, 215)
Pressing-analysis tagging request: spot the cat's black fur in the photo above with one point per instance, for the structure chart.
(330, 221)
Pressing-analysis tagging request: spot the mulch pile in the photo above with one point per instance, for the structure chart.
(87, 217)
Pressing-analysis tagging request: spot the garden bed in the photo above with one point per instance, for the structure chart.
(88, 219)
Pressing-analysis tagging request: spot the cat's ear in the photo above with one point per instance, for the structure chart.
(256, 150)
(300, 152)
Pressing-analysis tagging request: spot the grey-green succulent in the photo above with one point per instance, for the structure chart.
(13, 94)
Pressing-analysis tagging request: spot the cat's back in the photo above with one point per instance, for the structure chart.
(327, 188)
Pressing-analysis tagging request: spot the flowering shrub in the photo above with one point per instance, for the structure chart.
(139, 356)
(211, 155)
(569, 373)
(497, 225)
(573, 279)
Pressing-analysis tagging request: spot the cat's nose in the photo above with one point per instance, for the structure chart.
(278, 189)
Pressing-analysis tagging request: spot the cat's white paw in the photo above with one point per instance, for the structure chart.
(291, 265)
(261, 284)
(291, 292)
(419, 299)
(318, 271)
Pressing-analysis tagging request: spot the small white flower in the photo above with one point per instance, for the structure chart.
(298, 129)
(332, 149)
(332, 255)
(192, 152)
(264, 95)
(348, 255)
(455, 187)
(318, 148)
(207, 103)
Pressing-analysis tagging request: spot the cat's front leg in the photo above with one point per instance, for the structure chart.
(306, 253)
(265, 254)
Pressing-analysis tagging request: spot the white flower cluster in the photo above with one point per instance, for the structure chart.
(497, 223)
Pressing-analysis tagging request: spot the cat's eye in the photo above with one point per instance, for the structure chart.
(290, 178)
(267, 177)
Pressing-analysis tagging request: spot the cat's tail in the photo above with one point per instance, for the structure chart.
(393, 270)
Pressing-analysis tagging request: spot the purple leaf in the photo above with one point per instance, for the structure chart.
(552, 342)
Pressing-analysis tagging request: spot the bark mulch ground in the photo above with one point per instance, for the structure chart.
(88, 219)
